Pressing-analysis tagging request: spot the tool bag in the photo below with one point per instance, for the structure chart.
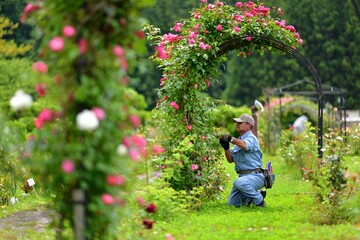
(268, 178)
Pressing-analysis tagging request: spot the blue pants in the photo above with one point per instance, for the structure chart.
(245, 190)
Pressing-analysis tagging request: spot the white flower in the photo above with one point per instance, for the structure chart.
(20, 100)
(87, 120)
(339, 138)
(121, 150)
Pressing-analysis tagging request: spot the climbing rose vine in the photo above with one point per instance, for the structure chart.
(189, 56)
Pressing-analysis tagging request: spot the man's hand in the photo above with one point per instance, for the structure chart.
(226, 138)
(224, 144)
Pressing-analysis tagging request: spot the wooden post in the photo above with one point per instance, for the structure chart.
(78, 196)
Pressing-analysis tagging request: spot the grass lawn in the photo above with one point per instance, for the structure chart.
(289, 214)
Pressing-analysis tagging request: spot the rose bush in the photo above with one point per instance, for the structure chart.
(189, 57)
(88, 48)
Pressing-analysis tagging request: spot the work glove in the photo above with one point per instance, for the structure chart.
(226, 138)
(224, 144)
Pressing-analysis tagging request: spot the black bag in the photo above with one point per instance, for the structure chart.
(269, 178)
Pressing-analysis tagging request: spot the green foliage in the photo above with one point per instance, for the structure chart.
(8, 48)
(300, 151)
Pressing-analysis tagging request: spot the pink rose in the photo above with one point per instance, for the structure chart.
(236, 29)
(107, 199)
(67, 166)
(45, 115)
(113, 180)
(40, 89)
(248, 38)
(135, 120)
(68, 31)
(56, 44)
(194, 167)
(189, 127)
(82, 46)
(219, 27)
(99, 113)
(40, 66)
(174, 105)
(118, 51)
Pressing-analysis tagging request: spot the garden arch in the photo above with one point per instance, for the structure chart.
(189, 58)
(239, 42)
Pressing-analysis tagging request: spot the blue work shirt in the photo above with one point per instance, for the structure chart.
(249, 158)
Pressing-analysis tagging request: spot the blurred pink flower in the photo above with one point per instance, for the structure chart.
(40, 89)
(239, 4)
(248, 38)
(118, 51)
(168, 236)
(67, 166)
(134, 154)
(141, 201)
(135, 120)
(156, 149)
(40, 66)
(113, 180)
(236, 29)
(82, 46)
(38, 122)
(189, 127)
(194, 167)
(219, 27)
(174, 105)
(203, 1)
(107, 199)
(56, 44)
(203, 137)
(99, 113)
(69, 31)
(45, 115)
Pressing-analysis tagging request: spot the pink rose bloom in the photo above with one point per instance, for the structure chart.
(161, 52)
(239, 4)
(248, 15)
(45, 115)
(40, 66)
(248, 38)
(134, 154)
(219, 27)
(194, 167)
(82, 46)
(30, 8)
(67, 166)
(99, 113)
(38, 122)
(107, 199)
(113, 180)
(203, 137)
(118, 51)
(203, 1)
(236, 29)
(156, 149)
(56, 44)
(135, 120)
(141, 201)
(68, 31)
(177, 27)
(40, 89)
(174, 105)
(189, 127)
(300, 41)
(219, 4)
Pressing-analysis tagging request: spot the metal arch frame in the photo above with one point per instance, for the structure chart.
(239, 42)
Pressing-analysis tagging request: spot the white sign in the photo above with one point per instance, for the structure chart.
(31, 182)
(13, 200)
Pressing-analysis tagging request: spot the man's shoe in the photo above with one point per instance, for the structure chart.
(263, 193)
(262, 204)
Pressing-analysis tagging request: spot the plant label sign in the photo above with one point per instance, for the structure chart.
(31, 182)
